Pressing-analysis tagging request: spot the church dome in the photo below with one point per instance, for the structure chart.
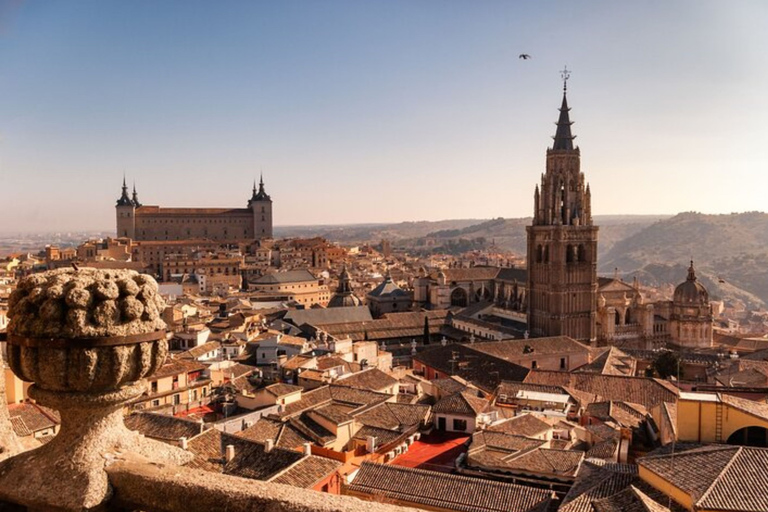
(344, 297)
(343, 300)
(691, 291)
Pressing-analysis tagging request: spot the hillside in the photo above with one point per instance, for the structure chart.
(730, 253)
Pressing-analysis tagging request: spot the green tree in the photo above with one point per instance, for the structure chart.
(666, 364)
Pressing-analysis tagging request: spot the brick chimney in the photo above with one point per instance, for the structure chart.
(229, 453)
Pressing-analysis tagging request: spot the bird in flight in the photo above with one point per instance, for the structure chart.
(524, 56)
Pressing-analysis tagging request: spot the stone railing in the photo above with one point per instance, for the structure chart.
(87, 339)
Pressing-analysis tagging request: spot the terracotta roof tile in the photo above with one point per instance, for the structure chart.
(445, 491)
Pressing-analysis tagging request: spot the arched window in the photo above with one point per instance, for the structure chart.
(627, 317)
(546, 254)
(618, 318)
(539, 254)
(569, 249)
(582, 256)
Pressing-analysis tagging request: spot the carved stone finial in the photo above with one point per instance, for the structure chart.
(87, 338)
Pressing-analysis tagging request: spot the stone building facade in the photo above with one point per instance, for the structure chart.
(144, 222)
(562, 245)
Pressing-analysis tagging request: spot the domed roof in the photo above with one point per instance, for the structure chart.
(343, 300)
(691, 291)
(344, 296)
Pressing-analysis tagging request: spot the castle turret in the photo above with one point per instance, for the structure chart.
(125, 211)
(261, 205)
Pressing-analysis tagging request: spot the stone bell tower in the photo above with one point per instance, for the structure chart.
(261, 205)
(562, 244)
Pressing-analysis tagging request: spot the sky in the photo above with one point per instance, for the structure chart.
(377, 111)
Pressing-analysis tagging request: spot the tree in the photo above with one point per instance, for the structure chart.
(666, 364)
(426, 330)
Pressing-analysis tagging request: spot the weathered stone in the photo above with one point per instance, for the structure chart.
(34, 312)
(89, 382)
(143, 485)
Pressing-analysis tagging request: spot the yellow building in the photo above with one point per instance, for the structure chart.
(298, 285)
(713, 418)
(712, 478)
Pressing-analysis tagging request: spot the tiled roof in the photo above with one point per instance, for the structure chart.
(503, 441)
(725, 478)
(207, 450)
(177, 367)
(463, 403)
(483, 370)
(383, 436)
(448, 386)
(253, 461)
(320, 317)
(524, 425)
(200, 350)
(631, 499)
(470, 274)
(372, 380)
(641, 390)
(281, 389)
(308, 427)
(597, 482)
(393, 415)
(548, 462)
(392, 325)
(291, 276)
(445, 491)
(334, 412)
(611, 362)
(307, 472)
(283, 434)
(513, 350)
(31, 418)
(162, 426)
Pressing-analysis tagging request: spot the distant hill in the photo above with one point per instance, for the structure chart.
(730, 253)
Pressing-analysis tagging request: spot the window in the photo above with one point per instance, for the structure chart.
(562, 363)
(534, 365)
(154, 386)
(460, 425)
(176, 399)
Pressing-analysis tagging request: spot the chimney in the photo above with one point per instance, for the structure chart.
(183, 443)
(230, 453)
(370, 444)
(307, 449)
(268, 445)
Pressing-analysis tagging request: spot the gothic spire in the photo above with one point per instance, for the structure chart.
(563, 137)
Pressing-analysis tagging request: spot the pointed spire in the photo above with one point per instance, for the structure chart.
(124, 199)
(691, 272)
(135, 197)
(563, 137)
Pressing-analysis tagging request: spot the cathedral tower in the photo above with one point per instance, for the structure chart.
(261, 205)
(562, 244)
(126, 214)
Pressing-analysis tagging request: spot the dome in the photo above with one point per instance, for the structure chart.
(344, 300)
(691, 291)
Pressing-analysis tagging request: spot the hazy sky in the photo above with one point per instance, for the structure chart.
(377, 111)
